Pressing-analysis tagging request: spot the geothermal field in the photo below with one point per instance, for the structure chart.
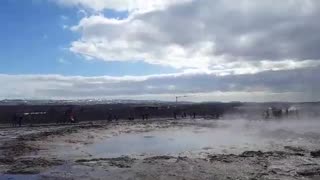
(239, 144)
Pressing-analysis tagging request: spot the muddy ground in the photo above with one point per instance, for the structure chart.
(57, 152)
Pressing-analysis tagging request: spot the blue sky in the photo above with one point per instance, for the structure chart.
(157, 49)
(33, 41)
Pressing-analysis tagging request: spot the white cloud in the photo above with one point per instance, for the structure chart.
(215, 35)
(64, 18)
(63, 61)
(65, 26)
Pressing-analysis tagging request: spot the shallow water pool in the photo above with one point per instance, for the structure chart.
(207, 136)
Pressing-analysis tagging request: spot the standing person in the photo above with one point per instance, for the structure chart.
(109, 117)
(20, 120)
(267, 114)
(184, 115)
(72, 116)
(14, 120)
(68, 116)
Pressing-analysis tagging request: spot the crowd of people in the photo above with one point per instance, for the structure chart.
(274, 112)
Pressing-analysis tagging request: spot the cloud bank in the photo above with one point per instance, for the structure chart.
(287, 85)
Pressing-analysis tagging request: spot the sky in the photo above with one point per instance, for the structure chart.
(208, 50)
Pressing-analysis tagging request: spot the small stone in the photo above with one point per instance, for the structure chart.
(315, 154)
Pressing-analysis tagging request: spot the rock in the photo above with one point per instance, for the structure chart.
(120, 162)
(294, 149)
(6, 161)
(309, 172)
(20, 171)
(315, 154)
(222, 158)
(251, 154)
(32, 166)
(160, 158)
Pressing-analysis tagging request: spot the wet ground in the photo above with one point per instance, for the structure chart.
(163, 149)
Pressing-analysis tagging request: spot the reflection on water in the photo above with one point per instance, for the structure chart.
(214, 136)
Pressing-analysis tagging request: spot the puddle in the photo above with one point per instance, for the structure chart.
(170, 141)
(195, 138)
(214, 137)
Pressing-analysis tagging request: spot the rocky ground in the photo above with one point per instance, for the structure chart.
(29, 153)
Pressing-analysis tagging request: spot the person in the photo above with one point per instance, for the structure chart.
(174, 115)
(277, 113)
(69, 116)
(20, 120)
(72, 117)
(14, 120)
(267, 115)
(131, 118)
(184, 115)
(110, 117)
